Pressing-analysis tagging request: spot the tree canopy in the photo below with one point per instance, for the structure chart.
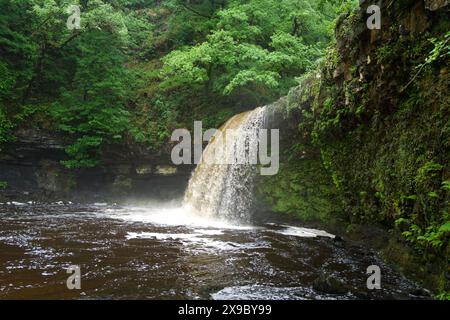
(135, 70)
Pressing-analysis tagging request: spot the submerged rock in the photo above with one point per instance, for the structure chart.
(326, 283)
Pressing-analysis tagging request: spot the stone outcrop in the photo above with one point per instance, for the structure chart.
(31, 168)
(368, 135)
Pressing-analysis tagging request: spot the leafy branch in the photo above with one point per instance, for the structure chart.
(440, 50)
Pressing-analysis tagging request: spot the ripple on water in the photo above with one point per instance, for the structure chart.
(163, 251)
(263, 292)
(199, 240)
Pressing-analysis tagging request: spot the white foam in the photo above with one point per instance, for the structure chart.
(197, 241)
(210, 232)
(302, 232)
(14, 203)
(160, 236)
(171, 215)
(259, 292)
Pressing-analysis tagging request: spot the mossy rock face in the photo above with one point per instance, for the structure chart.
(122, 185)
(301, 188)
(370, 135)
(52, 177)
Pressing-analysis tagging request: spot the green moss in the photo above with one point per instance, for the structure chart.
(381, 145)
(5, 127)
(445, 295)
(302, 187)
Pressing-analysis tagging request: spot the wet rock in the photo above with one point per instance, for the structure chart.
(122, 184)
(329, 284)
(207, 290)
(417, 22)
(165, 170)
(420, 292)
(32, 140)
(121, 169)
(362, 295)
(50, 176)
(143, 169)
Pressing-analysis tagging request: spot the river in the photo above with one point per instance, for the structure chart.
(163, 251)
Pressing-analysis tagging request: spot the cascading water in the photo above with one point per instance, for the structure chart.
(225, 190)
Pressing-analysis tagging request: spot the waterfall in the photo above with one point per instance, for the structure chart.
(225, 190)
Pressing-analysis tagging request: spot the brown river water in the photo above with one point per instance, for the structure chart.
(161, 251)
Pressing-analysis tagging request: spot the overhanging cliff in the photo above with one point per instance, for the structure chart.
(368, 133)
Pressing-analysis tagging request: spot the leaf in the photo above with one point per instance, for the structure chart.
(445, 227)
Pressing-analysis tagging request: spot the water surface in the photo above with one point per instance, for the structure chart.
(162, 251)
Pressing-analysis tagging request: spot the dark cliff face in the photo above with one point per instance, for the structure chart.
(32, 170)
(369, 137)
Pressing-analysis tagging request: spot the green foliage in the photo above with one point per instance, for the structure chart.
(259, 45)
(3, 184)
(5, 127)
(82, 151)
(441, 49)
(434, 236)
(94, 107)
(446, 185)
(443, 296)
(75, 81)
(135, 70)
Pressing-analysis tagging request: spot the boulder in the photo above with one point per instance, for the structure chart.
(327, 283)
